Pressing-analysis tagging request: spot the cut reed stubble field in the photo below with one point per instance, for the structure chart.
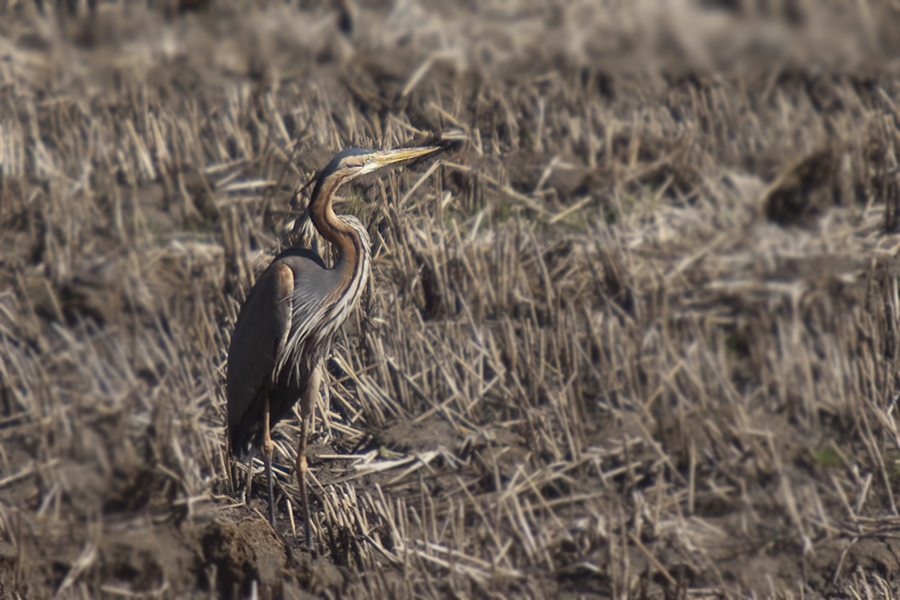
(638, 337)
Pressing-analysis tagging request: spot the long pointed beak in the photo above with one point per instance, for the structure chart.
(389, 157)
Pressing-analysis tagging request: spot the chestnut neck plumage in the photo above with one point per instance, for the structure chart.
(352, 242)
(335, 230)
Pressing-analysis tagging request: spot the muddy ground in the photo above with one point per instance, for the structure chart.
(636, 337)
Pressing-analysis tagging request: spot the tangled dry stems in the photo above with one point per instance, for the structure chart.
(638, 338)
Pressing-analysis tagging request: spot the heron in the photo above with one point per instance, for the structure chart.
(287, 323)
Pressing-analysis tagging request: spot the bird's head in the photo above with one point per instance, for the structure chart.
(352, 163)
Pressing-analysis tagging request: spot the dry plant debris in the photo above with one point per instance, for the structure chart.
(637, 338)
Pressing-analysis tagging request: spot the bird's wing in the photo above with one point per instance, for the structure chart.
(258, 338)
(313, 284)
(285, 295)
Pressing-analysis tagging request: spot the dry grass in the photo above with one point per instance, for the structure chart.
(638, 338)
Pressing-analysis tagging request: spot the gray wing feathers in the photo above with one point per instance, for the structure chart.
(271, 332)
(258, 339)
(313, 285)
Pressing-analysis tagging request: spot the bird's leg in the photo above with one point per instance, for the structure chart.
(248, 483)
(227, 461)
(306, 406)
(268, 451)
(302, 468)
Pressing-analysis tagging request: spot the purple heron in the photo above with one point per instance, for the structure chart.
(286, 325)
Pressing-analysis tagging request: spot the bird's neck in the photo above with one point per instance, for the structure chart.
(351, 246)
(352, 242)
